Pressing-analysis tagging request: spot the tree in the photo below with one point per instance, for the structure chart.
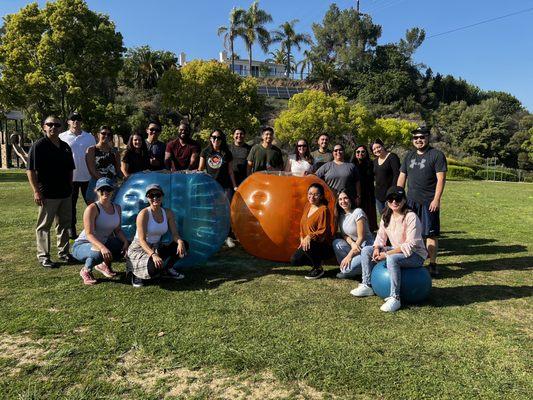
(210, 96)
(143, 67)
(393, 131)
(288, 38)
(345, 38)
(279, 56)
(305, 64)
(232, 31)
(253, 30)
(58, 59)
(313, 112)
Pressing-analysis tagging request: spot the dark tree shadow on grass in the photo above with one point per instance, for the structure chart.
(465, 295)
(457, 246)
(500, 264)
(13, 177)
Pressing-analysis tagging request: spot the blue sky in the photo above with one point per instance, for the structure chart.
(494, 56)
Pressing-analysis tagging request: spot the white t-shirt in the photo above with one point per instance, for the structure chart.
(79, 145)
(300, 167)
(348, 226)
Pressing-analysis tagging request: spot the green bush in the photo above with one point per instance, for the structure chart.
(464, 163)
(457, 172)
(498, 174)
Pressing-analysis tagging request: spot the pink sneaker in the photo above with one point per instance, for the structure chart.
(105, 270)
(87, 277)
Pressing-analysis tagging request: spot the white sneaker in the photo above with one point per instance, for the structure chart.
(230, 243)
(362, 291)
(391, 304)
(173, 274)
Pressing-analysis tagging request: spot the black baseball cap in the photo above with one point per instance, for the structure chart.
(421, 130)
(396, 192)
(75, 116)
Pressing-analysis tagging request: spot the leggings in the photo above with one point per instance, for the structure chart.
(168, 253)
(318, 252)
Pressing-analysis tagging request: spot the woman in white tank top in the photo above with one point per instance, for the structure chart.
(148, 258)
(102, 239)
(301, 162)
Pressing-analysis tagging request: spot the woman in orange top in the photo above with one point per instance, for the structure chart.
(315, 233)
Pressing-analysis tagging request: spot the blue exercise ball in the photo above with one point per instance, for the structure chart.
(199, 203)
(414, 287)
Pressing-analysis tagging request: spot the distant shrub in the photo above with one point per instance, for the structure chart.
(497, 174)
(457, 172)
(464, 163)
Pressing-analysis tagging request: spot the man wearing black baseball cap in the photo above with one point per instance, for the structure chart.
(424, 169)
(79, 141)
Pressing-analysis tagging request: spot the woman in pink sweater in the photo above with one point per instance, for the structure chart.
(403, 229)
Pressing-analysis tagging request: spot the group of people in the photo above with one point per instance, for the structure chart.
(63, 164)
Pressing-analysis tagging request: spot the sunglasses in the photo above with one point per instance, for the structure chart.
(76, 119)
(395, 199)
(154, 130)
(216, 137)
(301, 145)
(105, 133)
(106, 189)
(53, 124)
(154, 195)
(338, 150)
(419, 137)
(360, 152)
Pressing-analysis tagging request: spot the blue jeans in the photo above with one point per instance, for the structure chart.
(341, 248)
(395, 263)
(83, 252)
(380, 205)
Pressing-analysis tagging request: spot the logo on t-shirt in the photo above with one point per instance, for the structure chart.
(215, 160)
(420, 164)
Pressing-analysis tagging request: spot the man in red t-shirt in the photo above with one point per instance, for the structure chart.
(183, 152)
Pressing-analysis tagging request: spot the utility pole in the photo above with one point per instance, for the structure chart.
(357, 6)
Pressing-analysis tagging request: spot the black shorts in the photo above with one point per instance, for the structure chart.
(430, 220)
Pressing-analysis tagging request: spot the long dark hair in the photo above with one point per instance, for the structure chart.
(365, 161)
(387, 212)
(340, 211)
(321, 190)
(307, 154)
(131, 149)
(223, 143)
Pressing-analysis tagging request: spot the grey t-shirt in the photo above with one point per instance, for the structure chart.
(339, 176)
(421, 171)
(320, 159)
(348, 226)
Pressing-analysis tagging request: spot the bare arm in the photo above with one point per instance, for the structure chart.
(181, 251)
(168, 161)
(37, 196)
(249, 168)
(401, 179)
(201, 167)
(441, 181)
(90, 159)
(194, 158)
(124, 169)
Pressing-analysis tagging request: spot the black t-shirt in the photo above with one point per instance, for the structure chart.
(54, 166)
(216, 164)
(240, 160)
(421, 171)
(157, 150)
(386, 175)
(136, 162)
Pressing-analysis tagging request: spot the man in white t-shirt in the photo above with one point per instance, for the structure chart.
(79, 141)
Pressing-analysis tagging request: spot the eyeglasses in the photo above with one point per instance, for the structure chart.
(301, 145)
(154, 195)
(154, 130)
(53, 124)
(105, 133)
(419, 137)
(216, 137)
(338, 150)
(360, 152)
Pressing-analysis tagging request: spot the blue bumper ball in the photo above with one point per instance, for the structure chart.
(199, 204)
(414, 287)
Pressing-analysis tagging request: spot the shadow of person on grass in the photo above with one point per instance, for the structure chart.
(465, 295)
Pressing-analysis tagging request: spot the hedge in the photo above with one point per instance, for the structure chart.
(456, 172)
(498, 174)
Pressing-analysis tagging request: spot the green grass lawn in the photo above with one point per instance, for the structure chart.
(239, 327)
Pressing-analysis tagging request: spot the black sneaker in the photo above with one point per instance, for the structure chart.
(68, 259)
(136, 282)
(434, 270)
(315, 273)
(47, 263)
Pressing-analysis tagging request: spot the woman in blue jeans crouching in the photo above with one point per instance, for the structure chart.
(102, 239)
(355, 232)
(403, 229)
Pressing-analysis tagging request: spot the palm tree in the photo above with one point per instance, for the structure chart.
(289, 39)
(144, 66)
(231, 31)
(279, 56)
(305, 63)
(253, 25)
